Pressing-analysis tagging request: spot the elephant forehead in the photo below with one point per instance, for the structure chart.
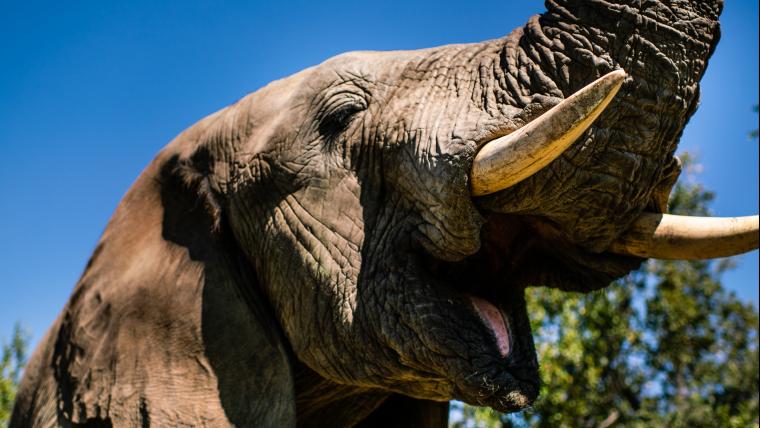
(261, 116)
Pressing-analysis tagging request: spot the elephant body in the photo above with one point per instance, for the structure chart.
(305, 256)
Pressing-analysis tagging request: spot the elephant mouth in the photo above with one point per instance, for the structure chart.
(514, 254)
(499, 366)
(497, 321)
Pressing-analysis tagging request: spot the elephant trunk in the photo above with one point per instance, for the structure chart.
(614, 170)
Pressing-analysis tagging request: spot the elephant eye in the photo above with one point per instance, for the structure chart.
(337, 114)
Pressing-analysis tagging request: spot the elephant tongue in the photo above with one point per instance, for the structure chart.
(492, 317)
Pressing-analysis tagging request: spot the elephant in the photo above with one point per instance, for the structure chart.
(350, 245)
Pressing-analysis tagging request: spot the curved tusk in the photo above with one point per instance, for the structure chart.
(675, 237)
(507, 160)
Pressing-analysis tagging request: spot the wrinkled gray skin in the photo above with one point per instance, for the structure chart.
(304, 255)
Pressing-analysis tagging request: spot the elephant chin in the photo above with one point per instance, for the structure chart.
(504, 372)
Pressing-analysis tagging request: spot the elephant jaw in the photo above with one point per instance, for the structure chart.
(478, 326)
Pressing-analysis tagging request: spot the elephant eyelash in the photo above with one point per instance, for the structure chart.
(337, 114)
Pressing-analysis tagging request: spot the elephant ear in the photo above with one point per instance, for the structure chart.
(167, 325)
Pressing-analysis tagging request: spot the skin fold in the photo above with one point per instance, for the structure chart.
(309, 255)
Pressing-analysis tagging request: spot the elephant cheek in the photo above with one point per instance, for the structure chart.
(306, 248)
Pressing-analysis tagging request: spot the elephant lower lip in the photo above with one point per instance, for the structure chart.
(496, 321)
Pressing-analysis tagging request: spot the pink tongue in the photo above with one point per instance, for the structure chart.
(492, 316)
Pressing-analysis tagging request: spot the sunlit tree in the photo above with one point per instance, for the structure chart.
(12, 361)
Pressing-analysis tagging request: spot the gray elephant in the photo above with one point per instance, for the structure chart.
(350, 245)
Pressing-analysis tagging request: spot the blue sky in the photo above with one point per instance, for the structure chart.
(90, 91)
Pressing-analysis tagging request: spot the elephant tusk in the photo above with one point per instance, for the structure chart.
(665, 236)
(507, 160)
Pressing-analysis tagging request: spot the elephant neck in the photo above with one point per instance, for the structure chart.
(321, 402)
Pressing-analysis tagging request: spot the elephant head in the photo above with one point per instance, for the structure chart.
(355, 191)
(384, 211)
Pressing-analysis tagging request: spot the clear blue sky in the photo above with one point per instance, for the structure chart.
(90, 91)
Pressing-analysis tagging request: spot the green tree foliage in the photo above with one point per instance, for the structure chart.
(665, 346)
(12, 361)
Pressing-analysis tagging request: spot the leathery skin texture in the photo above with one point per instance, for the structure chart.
(312, 253)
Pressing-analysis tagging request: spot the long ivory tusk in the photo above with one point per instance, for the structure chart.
(507, 160)
(665, 236)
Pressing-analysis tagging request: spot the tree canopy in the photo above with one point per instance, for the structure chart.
(12, 361)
